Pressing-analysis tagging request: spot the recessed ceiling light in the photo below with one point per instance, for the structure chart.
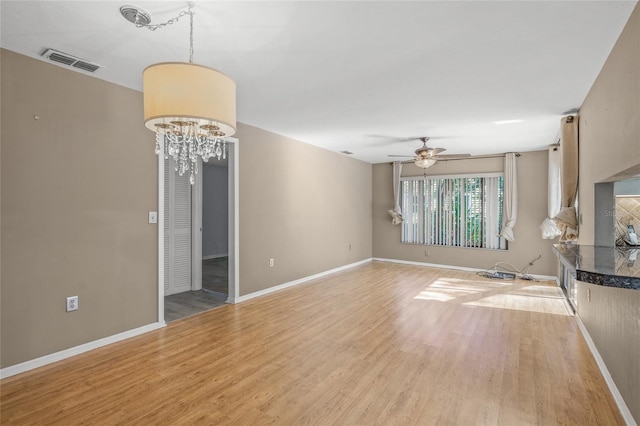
(500, 123)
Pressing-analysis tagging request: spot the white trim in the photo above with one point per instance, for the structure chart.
(215, 256)
(432, 265)
(297, 282)
(161, 236)
(455, 267)
(196, 229)
(622, 406)
(77, 350)
(546, 277)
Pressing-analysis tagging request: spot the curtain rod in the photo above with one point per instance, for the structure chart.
(473, 157)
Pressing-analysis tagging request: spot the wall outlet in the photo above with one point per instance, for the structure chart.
(72, 303)
(153, 217)
(426, 253)
(271, 263)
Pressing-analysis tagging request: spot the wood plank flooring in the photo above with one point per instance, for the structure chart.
(379, 344)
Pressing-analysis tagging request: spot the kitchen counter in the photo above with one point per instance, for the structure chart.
(606, 266)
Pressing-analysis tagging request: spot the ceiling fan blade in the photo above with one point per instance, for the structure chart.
(402, 156)
(383, 140)
(395, 138)
(452, 156)
(436, 151)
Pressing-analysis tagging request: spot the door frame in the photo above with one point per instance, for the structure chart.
(196, 229)
(233, 172)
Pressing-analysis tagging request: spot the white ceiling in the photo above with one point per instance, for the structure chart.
(358, 75)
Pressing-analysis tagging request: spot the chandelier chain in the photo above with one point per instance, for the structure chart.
(190, 35)
(153, 27)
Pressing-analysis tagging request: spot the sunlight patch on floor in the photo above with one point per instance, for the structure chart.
(473, 286)
(445, 289)
(434, 295)
(520, 302)
(517, 295)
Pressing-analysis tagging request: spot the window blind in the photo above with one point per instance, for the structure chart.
(458, 211)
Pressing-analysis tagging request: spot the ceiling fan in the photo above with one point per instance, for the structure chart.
(427, 157)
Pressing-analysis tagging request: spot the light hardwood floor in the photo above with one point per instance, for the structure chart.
(378, 344)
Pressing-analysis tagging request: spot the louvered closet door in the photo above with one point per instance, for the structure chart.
(177, 237)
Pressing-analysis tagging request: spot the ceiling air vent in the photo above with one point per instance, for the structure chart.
(347, 152)
(70, 60)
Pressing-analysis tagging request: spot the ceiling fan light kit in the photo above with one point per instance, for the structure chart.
(425, 163)
(190, 107)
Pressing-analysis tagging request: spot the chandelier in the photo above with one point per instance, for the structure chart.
(190, 107)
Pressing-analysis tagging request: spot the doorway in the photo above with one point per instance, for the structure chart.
(166, 258)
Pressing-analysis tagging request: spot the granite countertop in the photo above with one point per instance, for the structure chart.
(607, 266)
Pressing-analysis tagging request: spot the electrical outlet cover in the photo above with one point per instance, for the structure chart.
(72, 303)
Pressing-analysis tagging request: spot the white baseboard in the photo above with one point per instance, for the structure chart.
(622, 406)
(432, 265)
(458, 268)
(546, 278)
(296, 282)
(76, 350)
(214, 256)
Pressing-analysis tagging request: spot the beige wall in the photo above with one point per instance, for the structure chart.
(610, 122)
(300, 205)
(532, 210)
(609, 146)
(76, 188)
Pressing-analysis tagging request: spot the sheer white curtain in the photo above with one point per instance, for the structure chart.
(554, 197)
(566, 219)
(396, 212)
(491, 207)
(510, 197)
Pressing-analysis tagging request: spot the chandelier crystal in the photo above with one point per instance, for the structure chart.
(185, 142)
(190, 107)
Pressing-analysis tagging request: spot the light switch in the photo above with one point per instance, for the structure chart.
(153, 217)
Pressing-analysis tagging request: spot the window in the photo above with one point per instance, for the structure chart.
(455, 211)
